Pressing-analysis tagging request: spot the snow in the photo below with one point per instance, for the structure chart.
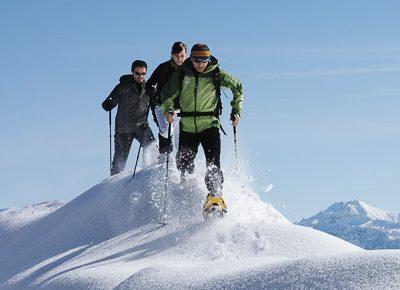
(359, 223)
(109, 238)
(351, 271)
(268, 188)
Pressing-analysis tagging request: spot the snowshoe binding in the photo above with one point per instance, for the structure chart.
(214, 206)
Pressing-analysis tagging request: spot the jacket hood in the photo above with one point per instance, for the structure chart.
(126, 79)
(213, 60)
(212, 64)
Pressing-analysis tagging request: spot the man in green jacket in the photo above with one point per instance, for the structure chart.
(195, 87)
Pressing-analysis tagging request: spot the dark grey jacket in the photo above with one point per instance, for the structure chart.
(133, 104)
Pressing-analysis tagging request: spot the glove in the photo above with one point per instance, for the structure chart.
(235, 118)
(107, 105)
(153, 112)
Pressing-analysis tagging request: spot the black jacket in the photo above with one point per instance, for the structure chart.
(133, 105)
(157, 81)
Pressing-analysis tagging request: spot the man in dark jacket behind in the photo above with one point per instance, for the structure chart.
(131, 120)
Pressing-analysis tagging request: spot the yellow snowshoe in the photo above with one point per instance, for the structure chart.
(214, 206)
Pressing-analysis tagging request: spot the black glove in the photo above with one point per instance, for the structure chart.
(153, 112)
(107, 105)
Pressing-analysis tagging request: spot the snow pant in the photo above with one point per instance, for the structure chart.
(211, 142)
(123, 143)
(165, 145)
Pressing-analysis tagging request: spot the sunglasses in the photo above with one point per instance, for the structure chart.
(139, 74)
(199, 60)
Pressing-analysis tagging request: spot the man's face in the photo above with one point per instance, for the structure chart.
(179, 58)
(139, 74)
(199, 66)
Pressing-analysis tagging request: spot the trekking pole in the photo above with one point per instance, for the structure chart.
(138, 153)
(140, 145)
(109, 122)
(236, 151)
(166, 174)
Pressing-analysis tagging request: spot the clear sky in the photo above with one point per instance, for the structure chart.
(321, 81)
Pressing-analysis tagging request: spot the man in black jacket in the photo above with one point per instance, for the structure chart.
(131, 120)
(154, 86)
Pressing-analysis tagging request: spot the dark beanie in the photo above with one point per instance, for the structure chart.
(200, 51)
(177, 47)
(138, 63)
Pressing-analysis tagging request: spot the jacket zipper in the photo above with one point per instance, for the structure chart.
(196, 77)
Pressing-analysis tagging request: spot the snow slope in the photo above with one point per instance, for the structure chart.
(360, 224)
(109, 237)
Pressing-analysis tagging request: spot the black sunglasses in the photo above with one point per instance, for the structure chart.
(139, 74)
(199, 60)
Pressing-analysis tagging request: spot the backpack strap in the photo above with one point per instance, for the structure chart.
(177, 99)
(217, 86)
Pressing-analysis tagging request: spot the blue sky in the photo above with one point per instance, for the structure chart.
(321, 81)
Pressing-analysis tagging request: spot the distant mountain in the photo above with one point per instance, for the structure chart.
(12, 219)
(358, 223)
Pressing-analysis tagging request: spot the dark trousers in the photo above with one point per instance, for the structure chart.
(123, 143)
(211, 142)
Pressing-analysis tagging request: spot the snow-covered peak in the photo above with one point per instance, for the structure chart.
(374, 213)
(359, 223)
(350, 213)
(109, 238)
(110, 234)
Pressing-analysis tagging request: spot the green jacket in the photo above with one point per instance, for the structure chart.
(201, 98)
